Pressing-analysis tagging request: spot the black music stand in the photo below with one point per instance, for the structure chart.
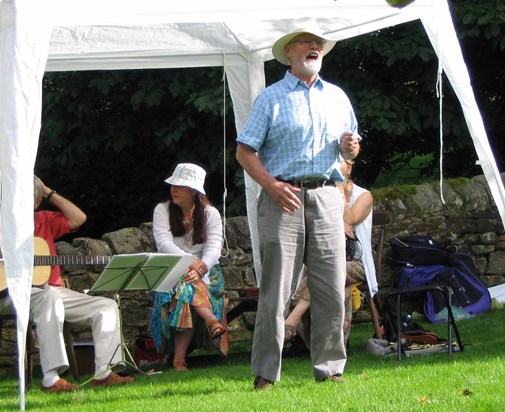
(140, 271)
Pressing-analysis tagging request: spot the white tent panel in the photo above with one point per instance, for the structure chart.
(23, 50)
(146, 12)
(243, 95)
(149, 35)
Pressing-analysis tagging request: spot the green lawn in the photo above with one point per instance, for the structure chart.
(472, 380)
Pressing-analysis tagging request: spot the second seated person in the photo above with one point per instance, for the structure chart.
(189, 224)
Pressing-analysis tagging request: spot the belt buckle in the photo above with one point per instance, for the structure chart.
(302, 184)
(311, 184)
(308, 184)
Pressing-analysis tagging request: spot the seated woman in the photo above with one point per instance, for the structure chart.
(358, 224)
(189, 224)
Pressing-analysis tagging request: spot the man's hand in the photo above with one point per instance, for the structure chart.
(349, 145)
(284, 195)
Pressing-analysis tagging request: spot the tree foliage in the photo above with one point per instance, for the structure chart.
(391, 77)
(110, 138)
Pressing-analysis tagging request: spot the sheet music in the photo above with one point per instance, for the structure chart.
(142, 271)
(160, 272)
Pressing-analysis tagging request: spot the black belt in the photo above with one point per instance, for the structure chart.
(308, 184)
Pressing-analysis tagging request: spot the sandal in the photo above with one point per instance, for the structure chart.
(289, 332)
(215, 329)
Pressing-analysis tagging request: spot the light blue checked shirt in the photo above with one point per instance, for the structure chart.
(296, 129)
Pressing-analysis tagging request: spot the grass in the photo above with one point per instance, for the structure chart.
(471, 380)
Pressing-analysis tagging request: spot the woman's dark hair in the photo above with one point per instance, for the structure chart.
(199, 219)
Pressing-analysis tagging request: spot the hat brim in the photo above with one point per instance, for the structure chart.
(188, 175)
(279, 45)
(175, 182)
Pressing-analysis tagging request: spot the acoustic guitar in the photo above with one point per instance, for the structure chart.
(43, 261)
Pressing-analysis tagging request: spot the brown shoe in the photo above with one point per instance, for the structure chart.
(338, 378)
(61, 385)
(112, 379)
(262, 383)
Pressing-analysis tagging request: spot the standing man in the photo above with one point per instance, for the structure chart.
(301, 127)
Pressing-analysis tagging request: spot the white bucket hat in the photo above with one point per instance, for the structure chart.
(188, 175)
(307, 25)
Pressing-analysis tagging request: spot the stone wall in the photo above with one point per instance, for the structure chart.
(468, 219)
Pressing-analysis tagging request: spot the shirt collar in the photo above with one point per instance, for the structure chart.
(294, 81)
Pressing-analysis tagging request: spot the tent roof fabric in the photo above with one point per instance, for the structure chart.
(156, 36)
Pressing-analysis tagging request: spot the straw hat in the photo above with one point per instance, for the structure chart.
(304, 26)
(188, 175)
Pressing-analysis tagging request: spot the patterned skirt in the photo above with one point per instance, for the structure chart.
(172, 310)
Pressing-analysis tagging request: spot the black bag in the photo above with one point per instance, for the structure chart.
(418, 251)
(350, 248)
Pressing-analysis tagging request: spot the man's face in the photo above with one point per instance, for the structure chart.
(305, 53)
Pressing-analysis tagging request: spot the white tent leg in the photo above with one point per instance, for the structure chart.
(246, 82)
(24, 44)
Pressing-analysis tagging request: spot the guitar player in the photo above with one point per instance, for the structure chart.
(52, 304)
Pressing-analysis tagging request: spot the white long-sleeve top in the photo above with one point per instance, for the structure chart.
(209, 251)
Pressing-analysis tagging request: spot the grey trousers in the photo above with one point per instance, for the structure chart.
(313, 235)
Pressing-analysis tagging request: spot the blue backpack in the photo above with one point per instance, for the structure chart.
(456, 270)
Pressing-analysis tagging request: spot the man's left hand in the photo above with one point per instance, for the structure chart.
(349, 143)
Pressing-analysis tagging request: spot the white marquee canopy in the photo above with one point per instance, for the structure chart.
(57, 35)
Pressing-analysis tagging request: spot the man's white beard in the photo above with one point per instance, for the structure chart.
(310, 69)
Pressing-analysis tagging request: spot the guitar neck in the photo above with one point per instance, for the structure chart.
(71, 260)
(43, 262)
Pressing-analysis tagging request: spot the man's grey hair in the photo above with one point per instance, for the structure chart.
(37, 187)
